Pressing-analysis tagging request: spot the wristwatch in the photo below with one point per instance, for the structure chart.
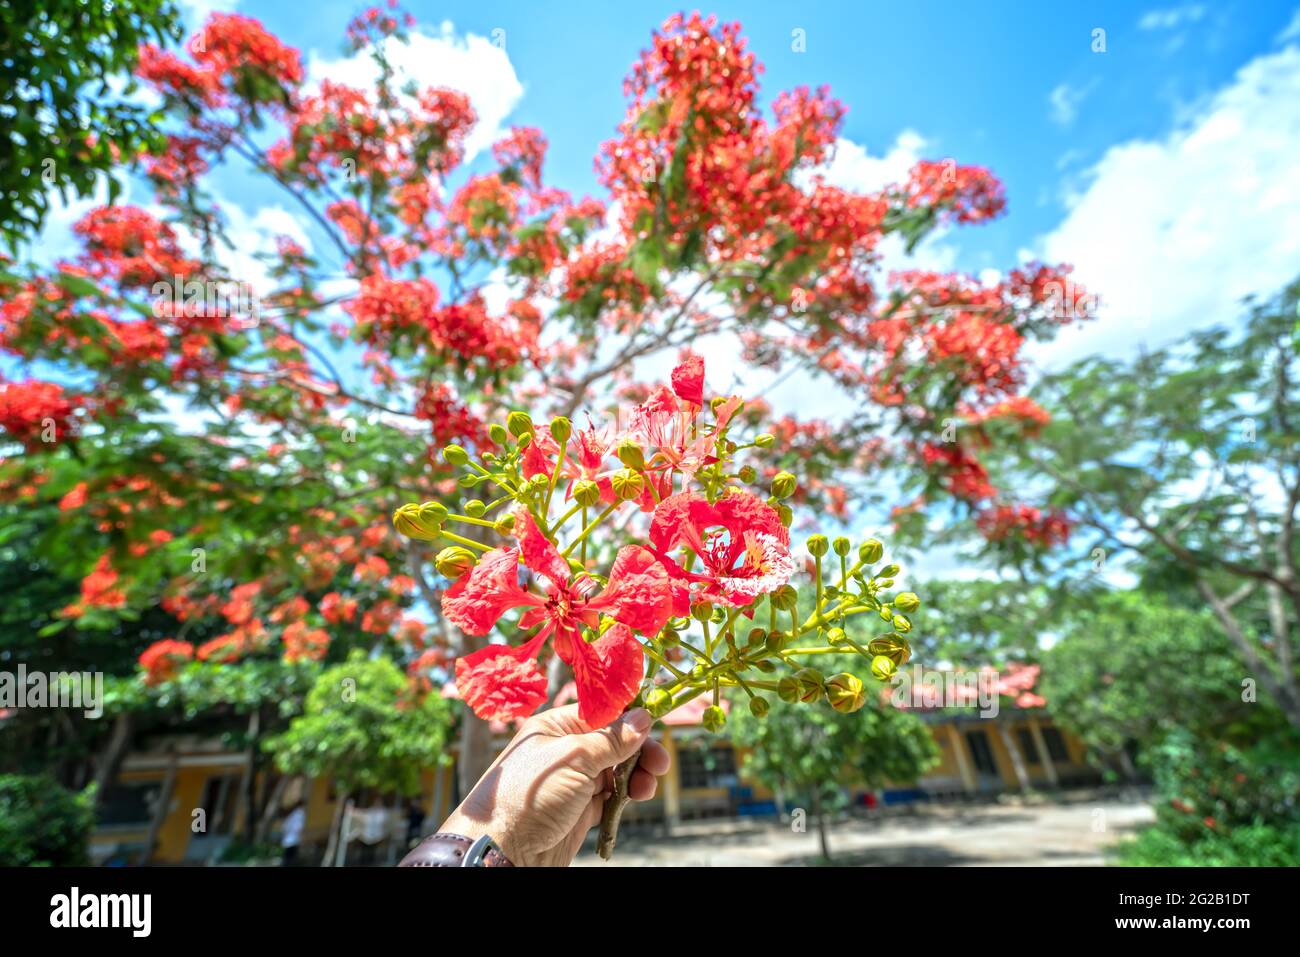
(456, 850)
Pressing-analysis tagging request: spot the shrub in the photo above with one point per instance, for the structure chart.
(43, 823)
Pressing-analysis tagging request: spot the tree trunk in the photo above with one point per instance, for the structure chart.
(820, 814)
(270, 809)
(1017, 762)
(164, 805)
(250, 779)
(331, 846)
(475, 751)
(111, 757)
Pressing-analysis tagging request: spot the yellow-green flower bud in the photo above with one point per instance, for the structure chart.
(714, 718)
(497, 433)
(586, 493)
(785, 513)
(765, 441)
(886, 583)
(630, 454)
(774, 641)
(561, 428)
(883, 668)
(758, 707)
(871, 551)
(907, 602)
(894, 648)
(783, 485)
(836, 636)
(747, 474)
(626, 484)
(455, 455)
(845, 692)
(658, 702)
(519, 423)
(475, 508)
(454, 561)
(812, 684)
(787, 689)
(701, 611)
(817, 546)
(889, 571)
(901, 624)
(699, 671)
(420, 521)
(505, 524)
(756, 636)
(670, 638)
(841, 545)
(784, 598)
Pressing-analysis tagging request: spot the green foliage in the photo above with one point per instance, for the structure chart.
(62, 125)
(360, 726)
(976, 623)
(43, 823)
(1130, 667)
(1256, 845)
(1223, 804)
(803, 748)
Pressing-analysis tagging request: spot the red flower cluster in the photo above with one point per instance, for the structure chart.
(131, 247)
(163, 659)
(742, 545)
(968, 194)
(1024, 522)
(37, 414)
(961, 473)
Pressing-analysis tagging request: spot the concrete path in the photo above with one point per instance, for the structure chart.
(1047, 833)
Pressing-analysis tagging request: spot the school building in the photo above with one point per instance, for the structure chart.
(181, 800)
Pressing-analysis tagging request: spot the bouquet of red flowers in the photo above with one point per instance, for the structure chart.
(698, 598)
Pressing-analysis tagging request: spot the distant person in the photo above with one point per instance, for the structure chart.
(291, 834)
(414, 822)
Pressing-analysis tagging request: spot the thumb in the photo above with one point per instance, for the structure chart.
(616, 743)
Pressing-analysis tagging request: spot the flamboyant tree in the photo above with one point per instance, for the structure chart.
(436, 291)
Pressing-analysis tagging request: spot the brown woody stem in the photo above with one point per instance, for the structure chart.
(614, 805)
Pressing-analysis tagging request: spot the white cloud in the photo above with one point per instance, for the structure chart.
(1064, 102)
(1172, 233)
(1171, 18)
(472, 64)
(852, 167)
(1292, 30)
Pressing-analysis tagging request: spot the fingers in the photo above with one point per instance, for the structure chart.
(642, 785)
(654, 762)
(654, 758)
(613, 745)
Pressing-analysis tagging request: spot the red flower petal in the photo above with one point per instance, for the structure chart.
(501, 683)
(743, 512)
(688, 379)
(639, 593)
(607, 672)
(540, 553)
(486, 592)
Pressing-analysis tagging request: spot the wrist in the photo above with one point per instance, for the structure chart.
(475, 826)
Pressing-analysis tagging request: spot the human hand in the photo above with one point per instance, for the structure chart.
(546, 790)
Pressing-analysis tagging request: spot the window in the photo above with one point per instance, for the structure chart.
(129, 804)
(1056, 745)
(981, 752)
(220, 796)
(707, 767)
(1028, 746)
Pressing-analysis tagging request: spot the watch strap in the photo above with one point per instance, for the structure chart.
(455, 850)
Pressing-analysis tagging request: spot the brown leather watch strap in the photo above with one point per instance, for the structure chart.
(448, 850)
